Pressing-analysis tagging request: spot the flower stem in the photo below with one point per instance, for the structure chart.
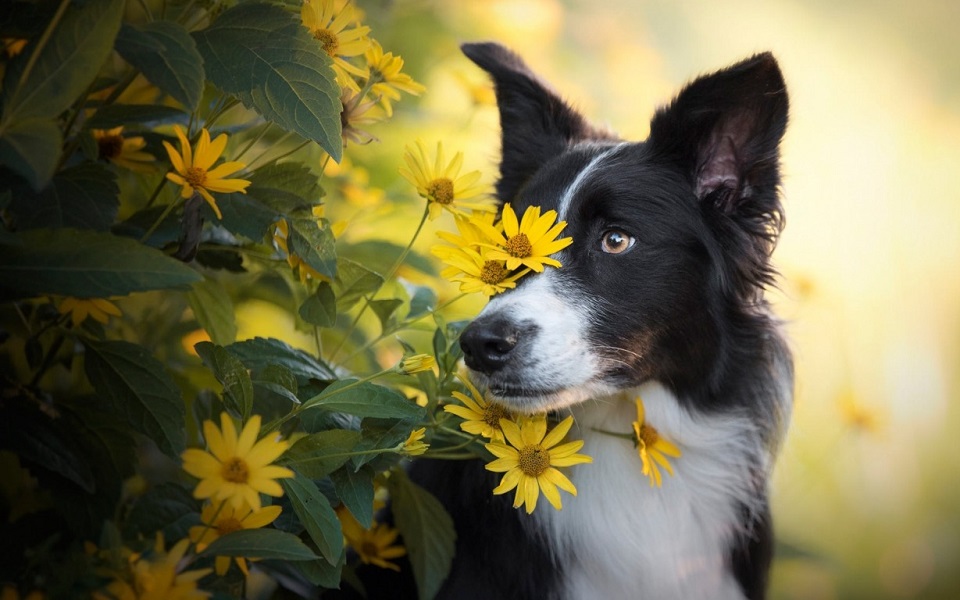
(163, 216)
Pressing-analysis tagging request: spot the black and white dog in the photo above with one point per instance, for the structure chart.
(660, 296)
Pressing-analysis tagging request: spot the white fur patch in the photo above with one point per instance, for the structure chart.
(622, 538)
(564, 204)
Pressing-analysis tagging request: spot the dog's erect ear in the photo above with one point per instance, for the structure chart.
(725, 129)
(536, 124)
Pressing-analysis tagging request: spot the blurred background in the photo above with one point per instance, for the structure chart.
(866, 493)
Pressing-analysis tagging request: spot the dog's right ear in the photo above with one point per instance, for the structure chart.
(536, 124)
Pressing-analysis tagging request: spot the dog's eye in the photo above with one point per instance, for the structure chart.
(615, 241)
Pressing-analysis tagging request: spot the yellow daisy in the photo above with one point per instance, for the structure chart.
(157, 578)
(481, 417)
(238, 467)
(193, 168)
(332, 28)
(374, 545)
(529, 242)
(529, 459)
(386, 79)
(221, 519)
(123, 151)
(416, 363)
(652, 448)
(441, 183)
(414, 444)
(475, 272)
(79, 309)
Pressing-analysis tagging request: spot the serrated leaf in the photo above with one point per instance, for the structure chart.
(213, 308)
(84, 197)
(260, 543)
(260, 352)
(320, 307)
(286, 187)
(364, 400)
(427, 530)
(322, 573)
(85, 264)
(227, 368)
(353, 282)
(245, 215)
(137, 387)
(264, 56)
(108, 117)
(316, 515)
(31, 147)
(319, 454)
(355, 489)
(314, 244)
(167, 56)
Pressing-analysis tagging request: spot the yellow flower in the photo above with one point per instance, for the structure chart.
(441, 183)
(13, 46)
(467, 259)
(123, 151)
(481, 93)
(10, 593)
(80, 308)
(331, 28)
(222, 519)
(416, 363)
(355, 113)
(652, 448)
(530, 457)
(373, 545)
(481, 416)
(414, 444)
(237, 468)
(858, 416)
(193, 168)
(529, 242)
(386, 78)
(157, 578)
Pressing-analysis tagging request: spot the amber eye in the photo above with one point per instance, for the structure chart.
(615, 241)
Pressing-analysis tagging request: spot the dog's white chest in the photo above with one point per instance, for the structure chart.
(622, 538)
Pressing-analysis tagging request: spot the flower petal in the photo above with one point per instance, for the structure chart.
(557, 434)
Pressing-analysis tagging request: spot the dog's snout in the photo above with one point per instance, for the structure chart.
(487, 344)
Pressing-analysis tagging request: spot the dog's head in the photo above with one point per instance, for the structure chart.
(671, 236)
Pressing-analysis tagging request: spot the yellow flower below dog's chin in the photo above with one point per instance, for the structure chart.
(652, 448)
(481, 417)
(530, 458)
(529, 242)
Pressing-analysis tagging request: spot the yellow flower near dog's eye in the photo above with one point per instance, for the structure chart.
(123, 151)
(652, 447)
(237, 468)
(193, 170)
(441, 183)
(222, 519)
(332, 29)
(481, 416)
(529, 460)
(475, 273)
(529, 242)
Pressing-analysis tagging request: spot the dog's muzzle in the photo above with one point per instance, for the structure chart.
(490, 343)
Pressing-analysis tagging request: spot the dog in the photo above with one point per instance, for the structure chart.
(660, 296)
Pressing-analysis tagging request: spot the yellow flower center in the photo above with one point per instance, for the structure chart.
(493, 273)
(519, 246)
(534, 460)
(196, 176)
(235, 470)
(493, 413)
(329, 41)
(440, 190)
(110, 146)
(225, 526)
(648, 435)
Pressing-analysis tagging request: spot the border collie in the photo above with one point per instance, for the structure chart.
(660, 296)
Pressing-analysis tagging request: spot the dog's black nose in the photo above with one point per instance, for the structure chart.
(487, 344)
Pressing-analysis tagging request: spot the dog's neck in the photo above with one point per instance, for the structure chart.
(622, 538)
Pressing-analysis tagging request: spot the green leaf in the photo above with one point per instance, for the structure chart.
(424, 300)
(319, 454)
(322, 573)
(245, 215)
(67, 64)
(114, 115)
(137, 387)
(320, 308)
(227, 368)
(31, 147)
(365, 400)
(353, 282)
(260, 352)
(286, 187)
(316, 515)
(314, 244)
(86, 264)
(260, 543)
(263, 55)
(427, 530)
(167, 56)
(384, 309)
(213, 308)
(355, 489)
(280, 375)
(382, 434)
(84, 197)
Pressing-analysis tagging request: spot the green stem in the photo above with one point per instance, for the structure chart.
(48, 360)
(227, 104)
(282, 156)
(257, 138)
(625, 436)
(453, 456)
(156, 192)
(283, 138)
(38, 49)
(160, 220)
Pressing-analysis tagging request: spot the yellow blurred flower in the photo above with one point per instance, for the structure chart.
(99, 309)
(652, 448)
(123, 151)
(157, 578)
(193, 171)
(416, 363)
(441, 183)
(374, 545)
(386, 80)
(857, 416)
(338, 33)
(237, 468)
(414, 444)
(481, 417)
(481, 93)
(529, 459)
(529, 242)
(222, 519)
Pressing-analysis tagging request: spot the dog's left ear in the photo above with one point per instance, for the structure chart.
(725, 130)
